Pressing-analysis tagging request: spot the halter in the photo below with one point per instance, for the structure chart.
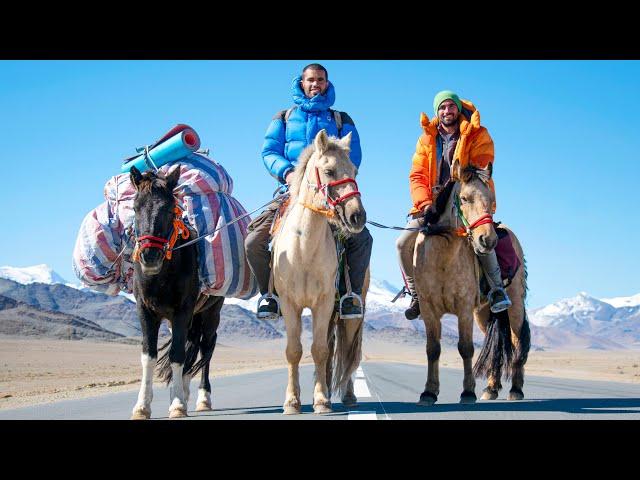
(329, 202)
(149, 241)
(467, 229)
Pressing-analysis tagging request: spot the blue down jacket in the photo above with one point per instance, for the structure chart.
(283, 143)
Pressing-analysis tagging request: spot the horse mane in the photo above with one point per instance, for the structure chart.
(303, 160)
(469, 173)
(150, 180)
(433, 217)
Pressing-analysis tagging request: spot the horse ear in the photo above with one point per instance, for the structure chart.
(321, 142)
(136, 177)
(345, 141)
(455, 169)
(172, 177)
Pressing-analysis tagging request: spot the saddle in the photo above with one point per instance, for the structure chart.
(507, 259)
(276, 225)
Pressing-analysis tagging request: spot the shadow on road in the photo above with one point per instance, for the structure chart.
(565, 405)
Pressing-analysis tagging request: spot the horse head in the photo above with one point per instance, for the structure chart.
(154, 206)
(476, 203)
(326, 162)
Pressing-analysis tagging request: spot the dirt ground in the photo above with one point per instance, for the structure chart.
(35, 371)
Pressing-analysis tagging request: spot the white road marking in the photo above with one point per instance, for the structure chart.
(359, 373)
(361, 389)
(362, 416)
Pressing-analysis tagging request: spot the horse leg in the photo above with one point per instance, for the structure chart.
(481, 316)
(520, 339)
(178, 406)
(320, 352)
(349, 398)
(351, 353)
(434, 330)
(211, 320)
(150, 326)
(465, 348)
(293, 325)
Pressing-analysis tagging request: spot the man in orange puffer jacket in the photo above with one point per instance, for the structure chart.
(455, 132)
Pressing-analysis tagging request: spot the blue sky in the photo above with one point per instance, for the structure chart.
(566, 135)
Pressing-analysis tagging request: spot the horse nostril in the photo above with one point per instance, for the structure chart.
(483, 240)
(354, 218)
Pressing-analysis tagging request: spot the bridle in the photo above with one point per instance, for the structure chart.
(166, 245)
(329, 201)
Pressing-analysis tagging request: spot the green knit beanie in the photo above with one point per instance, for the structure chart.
(445, 95)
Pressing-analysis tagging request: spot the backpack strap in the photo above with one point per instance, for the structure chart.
(284, 114)
(339, 117)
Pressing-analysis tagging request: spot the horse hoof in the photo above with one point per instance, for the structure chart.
(489, 394)
(350, 401)
(515, 395)
(178, 413)
(427, 399)
(322, 408)
(291, 410)
(141, 414)
(203, 407)
(468, 398)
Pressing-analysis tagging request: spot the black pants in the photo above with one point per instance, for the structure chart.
(357, 249)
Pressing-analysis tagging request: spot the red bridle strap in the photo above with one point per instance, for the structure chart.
(149, 241)
(483, 220)
(325, 187)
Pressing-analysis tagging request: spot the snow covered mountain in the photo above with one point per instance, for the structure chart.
(38, 273)
(579, 322)
(616, 319)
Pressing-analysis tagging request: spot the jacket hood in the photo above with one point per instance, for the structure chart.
(316, 103)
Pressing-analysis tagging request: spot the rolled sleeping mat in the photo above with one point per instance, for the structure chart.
(174, 148)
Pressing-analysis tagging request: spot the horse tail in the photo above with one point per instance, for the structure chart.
(497, 351)
(347, 357)
(524, 344)
(331, 343)
(191, 348)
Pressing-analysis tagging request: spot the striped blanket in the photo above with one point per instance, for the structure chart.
(205, 190)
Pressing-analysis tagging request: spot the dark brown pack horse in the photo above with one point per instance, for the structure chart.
(447, 277)
(166, 286)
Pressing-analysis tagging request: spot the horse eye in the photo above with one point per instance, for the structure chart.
(464, 199)
(329, 173)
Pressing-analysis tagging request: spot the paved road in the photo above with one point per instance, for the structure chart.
(385, 391)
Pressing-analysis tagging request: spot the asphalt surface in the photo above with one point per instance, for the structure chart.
(385, 391)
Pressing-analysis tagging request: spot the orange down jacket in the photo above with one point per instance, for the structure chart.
(474, 147)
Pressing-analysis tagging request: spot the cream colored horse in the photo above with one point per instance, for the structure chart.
(447, 273)
(305, 266)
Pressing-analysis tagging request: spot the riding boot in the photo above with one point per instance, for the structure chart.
(498, 298)
(413, 311)
(259, 259)
(358, 255)
(405, 245)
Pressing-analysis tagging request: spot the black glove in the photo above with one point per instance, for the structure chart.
(430, 215)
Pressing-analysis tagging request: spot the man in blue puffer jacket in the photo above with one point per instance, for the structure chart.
(288, 134)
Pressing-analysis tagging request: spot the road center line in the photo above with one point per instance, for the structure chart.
(355, 415)
(361, 389)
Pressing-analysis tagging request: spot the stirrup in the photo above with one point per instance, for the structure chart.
(270, 316)
(401, 294)
(351, 316)
(500, 306)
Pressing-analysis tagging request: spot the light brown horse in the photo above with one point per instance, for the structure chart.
(305, 265)
(447, 274)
